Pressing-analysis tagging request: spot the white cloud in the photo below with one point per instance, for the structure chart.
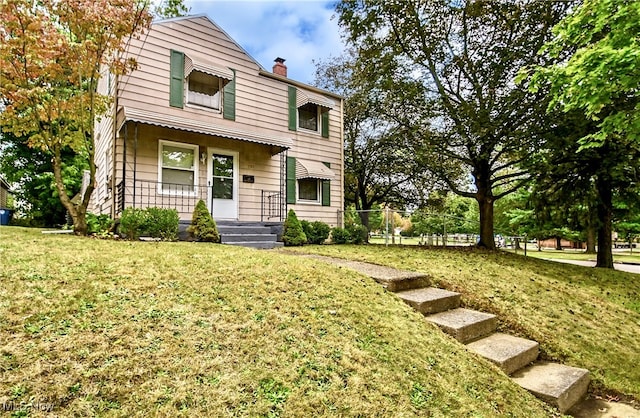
(298, 31)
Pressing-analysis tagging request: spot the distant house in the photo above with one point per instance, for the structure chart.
(201, 119)
(4, 193)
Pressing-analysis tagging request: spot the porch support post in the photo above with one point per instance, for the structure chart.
(135, 162)
(124, 164)
(283, 184)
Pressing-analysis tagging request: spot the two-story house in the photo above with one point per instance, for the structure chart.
(201, 119)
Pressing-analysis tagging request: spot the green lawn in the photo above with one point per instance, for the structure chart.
(581, 316)
(109, 328)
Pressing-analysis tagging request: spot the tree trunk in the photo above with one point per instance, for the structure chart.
(78, 212)
(486, 222)
(364, 218)
(604, 258)
(591, 238)
(558, 243)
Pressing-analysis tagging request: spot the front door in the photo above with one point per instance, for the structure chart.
(223, 182)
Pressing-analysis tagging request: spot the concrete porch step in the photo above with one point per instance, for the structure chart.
(240, 229)
(429, 300)
(506, 351)
(465, 325)
(231, 238)
(263, 245)
(557, 384)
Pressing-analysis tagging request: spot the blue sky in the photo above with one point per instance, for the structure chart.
(299, 31)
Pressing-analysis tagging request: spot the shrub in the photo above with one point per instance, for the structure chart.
(153, 222)
(340, 236)
(358, 234)
(203, 227)
(317, 232)
(161, 223)
(98, 224)
(131, 222)
(293, 235)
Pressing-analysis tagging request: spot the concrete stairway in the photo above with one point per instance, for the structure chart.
(254, 235)
(556, 384)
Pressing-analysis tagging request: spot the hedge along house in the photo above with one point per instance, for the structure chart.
(201, 119)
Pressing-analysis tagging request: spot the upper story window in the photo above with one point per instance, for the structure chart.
(309, 111)
(207, 83)
(308, 117)
(204, 89)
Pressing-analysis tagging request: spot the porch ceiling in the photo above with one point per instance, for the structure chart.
(207, 128)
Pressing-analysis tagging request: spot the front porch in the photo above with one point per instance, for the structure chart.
(183, 198)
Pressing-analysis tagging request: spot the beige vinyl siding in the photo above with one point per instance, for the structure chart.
(261, 108)
(101, 199)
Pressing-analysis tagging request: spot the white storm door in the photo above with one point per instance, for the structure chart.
(223, 182)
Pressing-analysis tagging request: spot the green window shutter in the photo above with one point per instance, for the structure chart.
(229, 97)
(176, 83)
(326, 190)
(325, 124)
(293, 109)
(291, 180)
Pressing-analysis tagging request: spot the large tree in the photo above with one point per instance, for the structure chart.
(379, 169)
(595, 72)
(51, 58)
(451, 65)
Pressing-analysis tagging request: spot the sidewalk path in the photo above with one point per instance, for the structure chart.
(629, 268)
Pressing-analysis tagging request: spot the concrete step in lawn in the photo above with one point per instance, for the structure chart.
(559, 385)
(506, 351)
(465, 325)
(430, 300)
(556, 384)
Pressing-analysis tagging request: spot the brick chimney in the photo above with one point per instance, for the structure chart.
(279, 67)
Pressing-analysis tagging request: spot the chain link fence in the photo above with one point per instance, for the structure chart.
(393, 227)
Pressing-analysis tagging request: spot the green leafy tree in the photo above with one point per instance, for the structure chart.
(30, 172)
(597, 68)
(203, 227)
(292, 234)
(170, 8)
(447, 71)
(51, 58)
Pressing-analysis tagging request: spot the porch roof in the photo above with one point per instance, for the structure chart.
(306, 169)
(207, 128)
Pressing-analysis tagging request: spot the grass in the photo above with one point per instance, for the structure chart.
(107, 328)
(581, 316)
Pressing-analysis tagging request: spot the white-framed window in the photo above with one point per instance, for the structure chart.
(309, 190)
(177, 168)
(308, 117)
(204, 90)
